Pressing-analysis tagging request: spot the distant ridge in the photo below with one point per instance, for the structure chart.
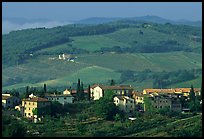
(148, 18)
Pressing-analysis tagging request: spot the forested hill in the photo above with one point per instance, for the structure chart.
(130, 36)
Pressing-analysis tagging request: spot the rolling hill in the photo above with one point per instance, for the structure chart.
(104, 51)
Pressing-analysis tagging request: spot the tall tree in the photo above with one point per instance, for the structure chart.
(78, 90)
(89, 93)
(45, 88)
(27, 89)
(27, 93)
(192, 94)
(112, 82)
(81, 92)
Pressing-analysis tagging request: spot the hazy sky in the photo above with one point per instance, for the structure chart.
(80, 10)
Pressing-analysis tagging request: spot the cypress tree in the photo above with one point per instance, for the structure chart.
(78, 89)
(89, 93)
(81, 92)
(45, 88)
(192, 94)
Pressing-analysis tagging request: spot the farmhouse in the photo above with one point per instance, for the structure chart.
(30, 104)
(9, 101)
(179, 91)
(62, 98)
(97, 91)
(125, 103)
(159, 100)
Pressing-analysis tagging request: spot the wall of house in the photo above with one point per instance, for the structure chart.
(160, 103)
(127, 105)
(61, 99)
(28, 108)
(11, 102)
(96, 93)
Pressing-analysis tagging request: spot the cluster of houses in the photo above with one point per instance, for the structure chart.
(126, 98)
(66, 57)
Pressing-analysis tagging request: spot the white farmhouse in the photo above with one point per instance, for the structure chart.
(125, 103)
(97, 91)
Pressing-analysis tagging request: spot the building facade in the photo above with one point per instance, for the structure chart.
(97, 91)
(29, 105)
(9, 101)
(63, 98)
(125, 103)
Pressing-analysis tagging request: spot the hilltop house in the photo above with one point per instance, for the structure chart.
(28, 106)
(9, 101)
(179, 91)
(64, 98)
(97, 91)
(159, 100)
(125, 103)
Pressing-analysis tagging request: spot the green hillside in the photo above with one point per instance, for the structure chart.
(98, 68)
(195, 82)
(180, 128)
(102, 52)
(141, 61)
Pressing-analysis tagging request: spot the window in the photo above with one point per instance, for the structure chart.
(9, 102)
(57, 98)
(33, 103)
(52, 98)
(155, 106)
(160, 101)
(141, 98)
(65, 98)
(28, 108)
(166, 101)
(29, 114)
(155, 101)
(160, 106)
(25, 114)
(24, 102)
(29, 103)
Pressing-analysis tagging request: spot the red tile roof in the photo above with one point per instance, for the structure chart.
(5, 97)
(121, 87)
(36, 99)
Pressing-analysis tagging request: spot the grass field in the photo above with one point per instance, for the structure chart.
(196, 83)
(99, 68)
(141, 61)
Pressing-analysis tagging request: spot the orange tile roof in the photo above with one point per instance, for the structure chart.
(36, 99)
(121, 87)
(173, 90)
(160, 90)
(5, 97)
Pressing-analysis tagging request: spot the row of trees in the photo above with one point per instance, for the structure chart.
(160, 79)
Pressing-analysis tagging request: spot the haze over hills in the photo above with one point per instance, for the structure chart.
(17, 23)
(115, 50)
(148, 18)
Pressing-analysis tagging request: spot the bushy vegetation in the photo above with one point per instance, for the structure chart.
(160, 79)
